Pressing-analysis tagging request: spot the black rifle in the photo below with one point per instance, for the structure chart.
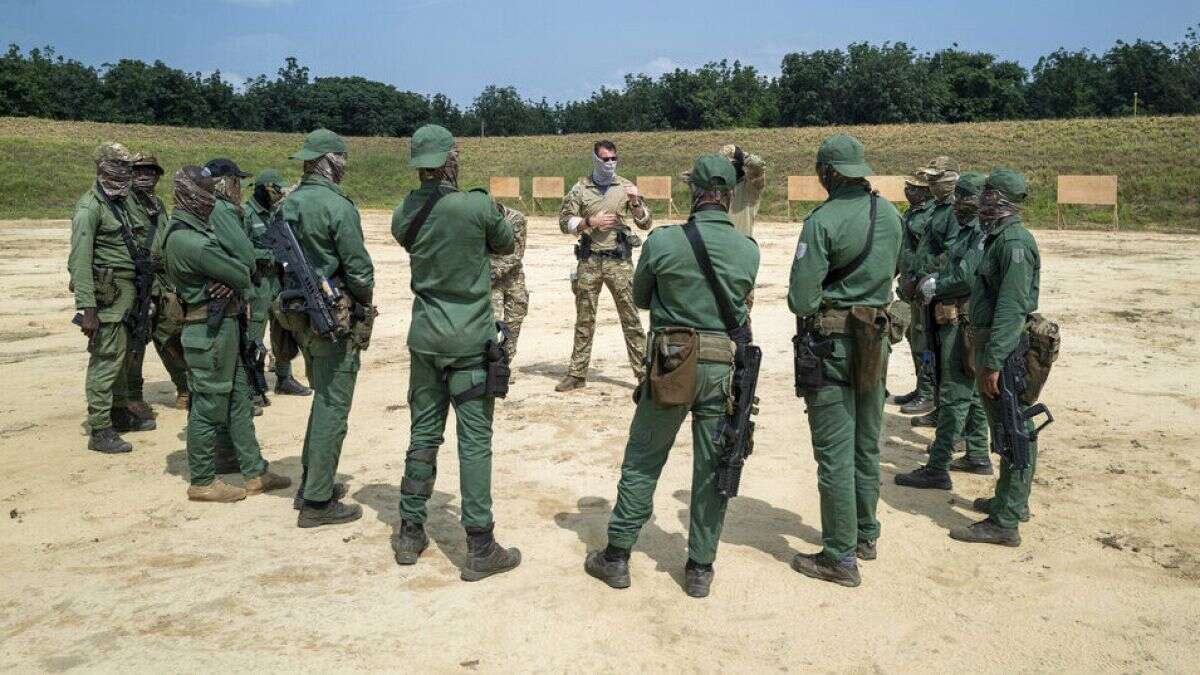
(317, 295)
(1010, 437)
(254, 357)
(931, 358)
(137, 319)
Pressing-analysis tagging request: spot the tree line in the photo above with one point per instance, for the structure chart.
(862, 84)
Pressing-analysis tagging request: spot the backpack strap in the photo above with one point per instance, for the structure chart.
(834, 276)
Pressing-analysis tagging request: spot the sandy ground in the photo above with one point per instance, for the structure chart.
(106, 565)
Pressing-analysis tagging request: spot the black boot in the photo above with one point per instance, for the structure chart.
(984, 505)
(907, 398)
(485, 557)
(918, 405)
(697, 579)
(409, 542)
(290, 386)
(332, 512)
(866, 550)
(927, 420)
(967, 465)
(339, 492)
(987, 531)
(817, 566)
(610, 566)
(925, 478)
(124, 420)
(108, 442)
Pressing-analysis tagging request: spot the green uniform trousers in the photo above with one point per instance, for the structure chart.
(333, 376)
(108, 359)
(916, 343)
(170, 352)
(959, 411)
(845, 425)
(651, 435)
(432, 381)
(220, 401)
(1012, 489)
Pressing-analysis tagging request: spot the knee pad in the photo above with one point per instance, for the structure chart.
(420, 470)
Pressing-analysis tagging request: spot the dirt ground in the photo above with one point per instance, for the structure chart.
(107, 566)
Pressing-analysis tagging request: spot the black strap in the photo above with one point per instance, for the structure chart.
(418, 220)
(136, 253)
(726, 308)
(841, 273)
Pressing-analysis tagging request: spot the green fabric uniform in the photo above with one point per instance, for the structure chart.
(327, 226)
(669, 282)
(283, 343)
(1005, 293)
(452, 320)
(195, 255)
(846, 422)
(96, 244)
(165, 334)
(915, 225)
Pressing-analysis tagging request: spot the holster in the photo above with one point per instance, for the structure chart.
(495, 363)
(674, 368)
(809, 352)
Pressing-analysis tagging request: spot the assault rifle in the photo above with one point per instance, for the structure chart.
(316, 295)
(137, 319)
(1010, 436)
(253, 354)
(735, 435)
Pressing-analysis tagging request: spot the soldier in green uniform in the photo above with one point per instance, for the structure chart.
(102, 272)
(841, 279)
(671, 284)
(915, 222)
(211, 282)
(1005, 293)
(327, 226)
(595, 210)
(449, 235)
(256, 214)
(510, 298)
(150, 218)
(960, 413)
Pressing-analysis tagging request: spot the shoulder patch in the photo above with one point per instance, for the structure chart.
(1018, 256)
(801, 249)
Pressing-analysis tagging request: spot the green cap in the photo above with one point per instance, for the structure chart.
(318, 143)
(270, 177)
(712, 172)
(430, 146)
(1010, 183)
(971, 183)
(844, 153)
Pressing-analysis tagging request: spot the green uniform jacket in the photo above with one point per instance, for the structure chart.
(255, 219)
(327, 226)
(195, 255)
(143, 221)
(941, 227)
(668, 280)
(451, 268)
(963, 252)
(226, 222)
(834, 234)
(96, 240)
(916, 222)
(1006, 290)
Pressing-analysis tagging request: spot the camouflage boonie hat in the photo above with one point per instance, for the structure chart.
(918, 179)
(1009, 183)
(712, 173)
(971, 183)
(113, 152)
(940, 165)
(318, 143)
(270, 177)
(845, 154)
(143, 161)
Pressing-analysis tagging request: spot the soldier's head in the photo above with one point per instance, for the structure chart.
(604, 162)
(229, 179)
(942, 173)
(1002, 195)
(146, 172)
(324, 154)
(434, 154)
(712, 180)
(114, 169)
(268, 188)
(194, 191)
(841, 161)
(916, 189)
(966, 196)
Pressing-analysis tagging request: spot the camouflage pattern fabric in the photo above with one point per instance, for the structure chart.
(743, 206)
(114, 169)
(617, 275)
(510, 299)
(331, 165)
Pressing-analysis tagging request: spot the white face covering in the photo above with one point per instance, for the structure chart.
(604, 171)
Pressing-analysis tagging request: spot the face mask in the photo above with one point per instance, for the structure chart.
(604, 171)
(916, 194)
(993, 206)
(966, 208)
(943, 187)
(194, 192)
(331, 166)
(114, 177)
(145, 181)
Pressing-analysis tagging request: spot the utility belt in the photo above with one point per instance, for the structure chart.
(1044, 341)
(953, 310)
(626, 242)
(495, 362)
(675, 356)
(200, 313)
(867, 327)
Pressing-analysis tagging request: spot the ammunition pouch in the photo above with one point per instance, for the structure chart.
(1044, 344)
(868, 328)
(104, 287)
(360, 321)
(673, 367)
(170, 314)
(292, 319)
(898, 318)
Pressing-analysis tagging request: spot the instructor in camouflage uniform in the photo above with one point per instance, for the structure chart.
(510, 299)
(595, 210)
(747, 194)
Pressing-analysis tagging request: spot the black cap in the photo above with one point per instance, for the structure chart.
(220, 168)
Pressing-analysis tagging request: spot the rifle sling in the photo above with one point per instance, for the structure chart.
(701, 252)
(418, 220)
(834, 276)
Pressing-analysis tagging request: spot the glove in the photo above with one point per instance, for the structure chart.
(928, 287)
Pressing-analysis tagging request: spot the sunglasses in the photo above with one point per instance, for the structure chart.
(608, 159)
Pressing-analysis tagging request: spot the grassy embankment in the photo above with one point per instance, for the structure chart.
(45, 165)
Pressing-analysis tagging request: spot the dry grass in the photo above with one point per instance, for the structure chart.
(45, 165)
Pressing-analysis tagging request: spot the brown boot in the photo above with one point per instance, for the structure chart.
(141, 409)
(266, 481)
(217, 491)
(571, 382)
(182, 400)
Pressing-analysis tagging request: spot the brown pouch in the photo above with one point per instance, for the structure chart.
(294, 319)
(674, 370)
(945, 313)
(898, 318)
(363, 326)
(105, 289)
(868, 326)
(1044, 344)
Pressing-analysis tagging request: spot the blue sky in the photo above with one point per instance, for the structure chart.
(557, 50)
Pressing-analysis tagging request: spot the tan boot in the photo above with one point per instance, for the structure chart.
(218, 491)
(266, 481)
(571, 382)
(183, 400)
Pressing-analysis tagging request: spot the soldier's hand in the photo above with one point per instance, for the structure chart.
(989, 383)
(604, 221)
(219, 291)
(91, 323)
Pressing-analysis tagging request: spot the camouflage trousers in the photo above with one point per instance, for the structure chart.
(617, 275)
(510, 304)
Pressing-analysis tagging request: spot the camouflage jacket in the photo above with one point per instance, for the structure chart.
(743, 207)
(585, 200)
(508, 264)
